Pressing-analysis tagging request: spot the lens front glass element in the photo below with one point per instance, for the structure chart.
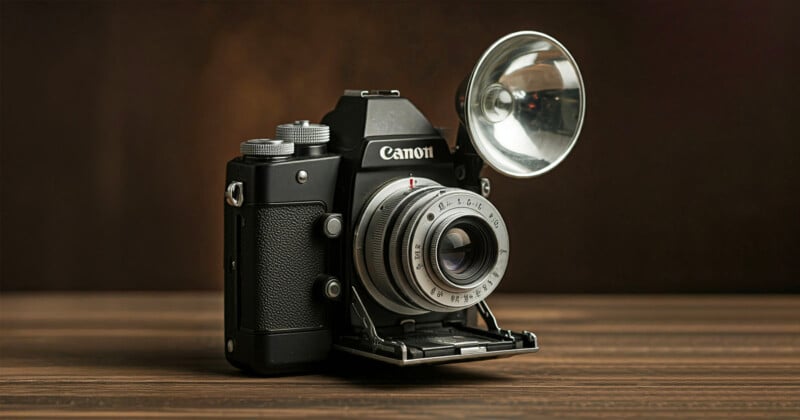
(464, 251)
(456, 251)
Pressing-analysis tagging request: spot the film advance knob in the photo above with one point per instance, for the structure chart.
(303, 132)
(266, 148)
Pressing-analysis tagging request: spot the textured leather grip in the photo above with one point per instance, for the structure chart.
(289, 256)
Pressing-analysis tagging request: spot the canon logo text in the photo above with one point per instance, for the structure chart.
(406, 153)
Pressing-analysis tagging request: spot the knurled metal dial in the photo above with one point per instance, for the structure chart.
(304, 132)
(267, 148)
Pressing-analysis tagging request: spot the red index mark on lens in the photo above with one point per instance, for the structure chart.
(411, 183)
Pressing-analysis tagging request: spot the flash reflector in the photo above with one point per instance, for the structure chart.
(523, 104)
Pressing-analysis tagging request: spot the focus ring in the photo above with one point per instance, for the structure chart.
(401, 243)
(401, 277)
(360, 243)
(374, 242)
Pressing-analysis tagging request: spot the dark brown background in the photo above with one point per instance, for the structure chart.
(118, 118)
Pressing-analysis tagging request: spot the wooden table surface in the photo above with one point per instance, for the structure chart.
(135, 354)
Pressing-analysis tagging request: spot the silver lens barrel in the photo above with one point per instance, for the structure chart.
(429, 248)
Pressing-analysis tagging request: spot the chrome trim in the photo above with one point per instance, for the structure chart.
(438, 359)
(360, 234)
(479, 351)
(372, 93)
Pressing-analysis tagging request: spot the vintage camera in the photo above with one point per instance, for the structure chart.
(365, 234)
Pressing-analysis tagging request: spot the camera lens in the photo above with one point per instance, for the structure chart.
(464, 252)
(421, 247)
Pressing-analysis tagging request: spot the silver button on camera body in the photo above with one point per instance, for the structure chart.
(333, 288)
(332, 225)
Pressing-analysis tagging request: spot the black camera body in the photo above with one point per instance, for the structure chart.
(279, 257)
(366, 235)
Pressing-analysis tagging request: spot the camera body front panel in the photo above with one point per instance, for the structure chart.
(377, 136)
(274, 252)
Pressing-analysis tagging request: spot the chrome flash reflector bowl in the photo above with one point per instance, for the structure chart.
(524, 104)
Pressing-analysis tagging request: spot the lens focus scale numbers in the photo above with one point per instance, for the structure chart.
(468, 205)
(495, 222)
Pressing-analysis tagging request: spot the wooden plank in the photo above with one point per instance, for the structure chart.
(160, 354)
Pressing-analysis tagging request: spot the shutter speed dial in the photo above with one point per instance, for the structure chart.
(303, 132)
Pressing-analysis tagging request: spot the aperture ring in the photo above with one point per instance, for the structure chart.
(402, 276)
(375, 242)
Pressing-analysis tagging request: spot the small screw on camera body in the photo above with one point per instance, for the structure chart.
(329, 287)
(333, 289)
(461, 172)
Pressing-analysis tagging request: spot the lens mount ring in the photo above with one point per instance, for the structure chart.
(416, 245)
(368, 243)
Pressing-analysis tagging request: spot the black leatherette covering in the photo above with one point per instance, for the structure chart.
(290, 254)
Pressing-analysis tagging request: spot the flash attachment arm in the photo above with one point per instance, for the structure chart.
(468, 164)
